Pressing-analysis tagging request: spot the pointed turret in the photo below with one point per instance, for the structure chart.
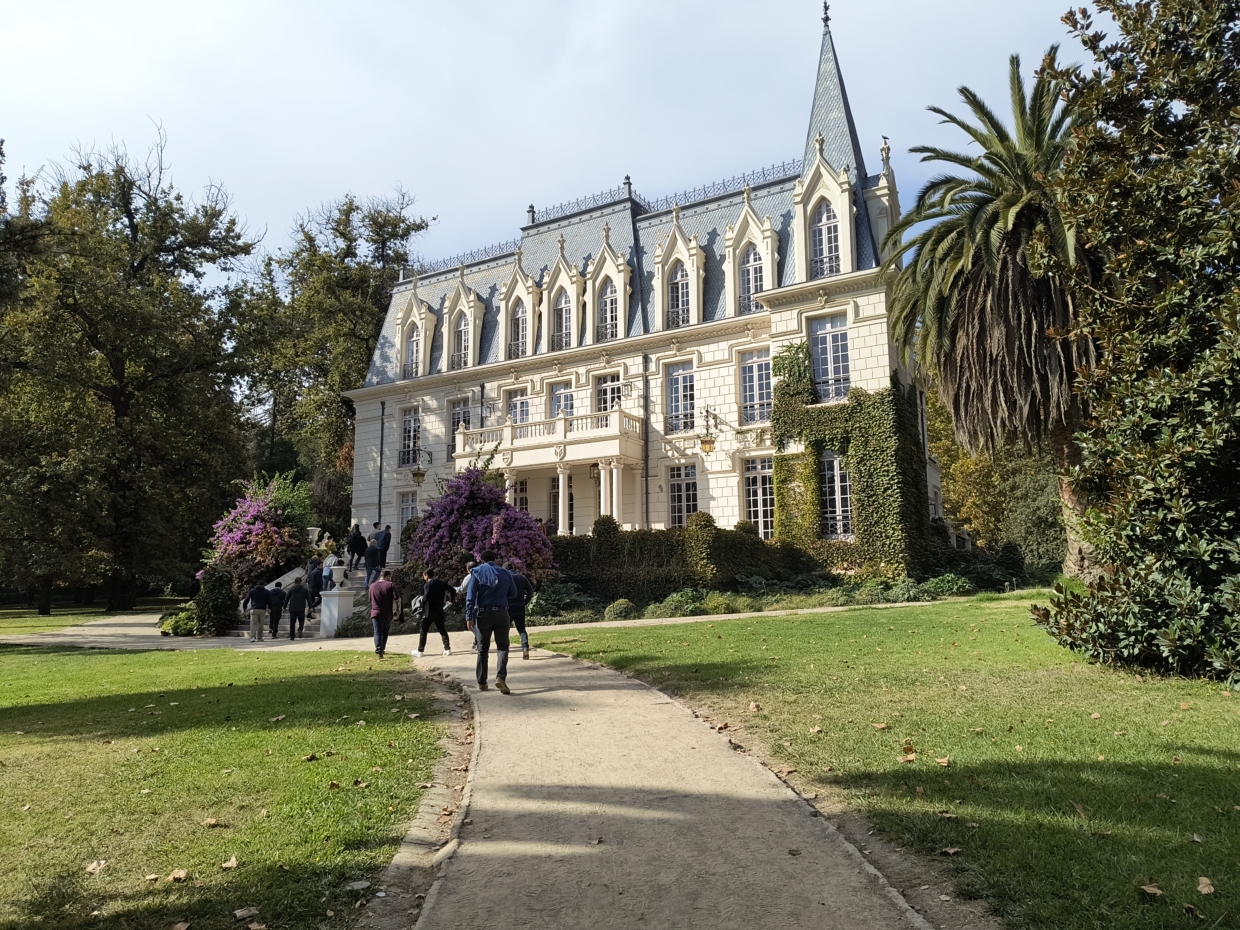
(832, 119)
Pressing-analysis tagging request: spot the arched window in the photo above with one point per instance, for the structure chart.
(460, 343)
(824, 242)
(608, 312)
(678, 297)
(562, 321)
(517, 328)
(413, 351)
(751, 280)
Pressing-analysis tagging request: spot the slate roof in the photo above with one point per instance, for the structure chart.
(637, 227)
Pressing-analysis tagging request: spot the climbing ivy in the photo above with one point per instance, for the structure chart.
(878, 437)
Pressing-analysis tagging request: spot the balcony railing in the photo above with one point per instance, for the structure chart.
(542, 434)
(678, 318)
(759, 412)
(680, 422)
(409, 458)
(458, 361)
(516, 349)
(561, 341)
(824, 267)
(749, 304)
(409, 370)
(608, 331)
(830, 389)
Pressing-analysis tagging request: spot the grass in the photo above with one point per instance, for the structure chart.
(19, 620)
(124, 756)
(1065, 787)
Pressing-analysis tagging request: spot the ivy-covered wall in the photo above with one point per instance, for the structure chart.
(878, 436)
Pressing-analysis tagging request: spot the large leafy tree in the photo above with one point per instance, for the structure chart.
(979, 294)
(312, 318)
(115, 351)
(1154, 182)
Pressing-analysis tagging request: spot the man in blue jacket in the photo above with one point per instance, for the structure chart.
(257, 602)
(486, 601)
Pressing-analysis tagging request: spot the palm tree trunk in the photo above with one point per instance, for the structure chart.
(1080, 560)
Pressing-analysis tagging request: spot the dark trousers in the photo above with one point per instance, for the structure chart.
(427, 621)
(296, 623)
(316, 598)
(383, 558)
(518, 620)
(492, 621)
(383, 626)
(355, 559)
(372, 575)
(274, 613)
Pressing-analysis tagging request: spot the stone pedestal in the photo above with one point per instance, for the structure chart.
(335, 609)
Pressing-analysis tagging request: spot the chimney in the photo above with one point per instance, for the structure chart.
(628, 187)
(530, 215)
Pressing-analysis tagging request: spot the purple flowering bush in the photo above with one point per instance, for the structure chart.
(471, 516)
(257, 540)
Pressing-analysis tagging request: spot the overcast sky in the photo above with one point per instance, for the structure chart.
(479, 107)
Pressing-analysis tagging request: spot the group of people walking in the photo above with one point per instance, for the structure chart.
(495, 600)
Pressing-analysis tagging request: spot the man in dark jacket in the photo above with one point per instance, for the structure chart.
(373, 565)
(516, 607)
(256, 602)
(384, 603)
(297, 599)
(316, 588)
(489, 592)
(355, 545)
(275, 607)
(436, 593)
(383, 539)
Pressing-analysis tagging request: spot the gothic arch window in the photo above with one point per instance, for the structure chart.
(518, 328)
(413, 349)
(824, 242)
(751, 280)
(460, 343)
(562, 321)
(678, 297)
(608, 312)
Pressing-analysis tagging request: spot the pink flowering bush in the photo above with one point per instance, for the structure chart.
(258, 539)
(471, 516)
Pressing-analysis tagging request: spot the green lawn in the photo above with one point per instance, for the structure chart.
(19, 620)
(125, 756)
(1025, 733)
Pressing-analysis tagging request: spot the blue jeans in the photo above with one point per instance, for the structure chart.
(372, 575)
(382, 626)
(492, 621)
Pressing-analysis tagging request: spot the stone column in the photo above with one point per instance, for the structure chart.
(604, 487)
(561, 518)
(617, 491)
(510, 486)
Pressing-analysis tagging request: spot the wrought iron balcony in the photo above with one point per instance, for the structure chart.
(516, 349)
(608, 331)
(830, 389)
(749, 304)
(409, 370)
(823, 267)
(410, 458)
(680, 422)
(458, 361)
(561, 341)
(759, 412)
(678, 318)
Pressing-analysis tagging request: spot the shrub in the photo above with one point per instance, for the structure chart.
(620, 610)
(949, 585)
(687, 603)
(183, 622)
(722, 603)
(257, 539)
(559, 596)
(217, 602)
(748, 527)
(582, 615)
(906, 590)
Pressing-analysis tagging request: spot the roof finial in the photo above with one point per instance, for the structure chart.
(561, 245)
(675, 214)
(826, 16)
(461, 272)
(607, 234)
(885, 151)
(748, 195)
(818, 143)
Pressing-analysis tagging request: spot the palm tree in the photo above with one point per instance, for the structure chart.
(980, 297)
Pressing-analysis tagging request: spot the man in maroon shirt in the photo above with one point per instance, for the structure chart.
(384, 602)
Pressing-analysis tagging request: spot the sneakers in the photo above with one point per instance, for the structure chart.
(502, 686)
(525, 652)
(417, 653)
(447, 652)
(483, 687)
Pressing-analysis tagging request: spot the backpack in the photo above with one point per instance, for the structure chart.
(418, 607)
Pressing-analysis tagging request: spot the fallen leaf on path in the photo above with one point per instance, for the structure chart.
(276, 719)
(1121, 733)
(879, 726)
(909, 757)
(310, 758)
(1205, 886)
(921, 790)
(1176, 760)
(257, 926)
(949, 851)
(146, 791)
(1080, 809)
(972, 824)
(945, 761)
(815, 729)
(26, 808)
(152, 878)
(1095, 716)
(1020, 748)
(754, 707)
(1193, 912)
(425, 784)
(183, 925)
(948, 815)
(178, 875)
(1152, 890)
(1184, 705)
(97, 866)
(1164, 723)
(245, 913)
(333, 784)
(596, 842)
(977, 730)
(358, 886)
(1197, 838)
(211, 822)
(944, 897)
(230, 864)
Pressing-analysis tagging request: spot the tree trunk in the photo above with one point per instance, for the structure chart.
(122, 593)
(45, 596)
(1080, 560)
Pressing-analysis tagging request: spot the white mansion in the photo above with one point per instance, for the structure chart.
(616, 359)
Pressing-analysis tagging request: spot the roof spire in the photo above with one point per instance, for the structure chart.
(826, 16)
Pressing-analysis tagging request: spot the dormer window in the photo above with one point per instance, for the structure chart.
(751, 280)
(460, 343)
(413, 347)
(562, 321)
(608, 312)
(518, 327)
(678, 297)
(824, 242)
